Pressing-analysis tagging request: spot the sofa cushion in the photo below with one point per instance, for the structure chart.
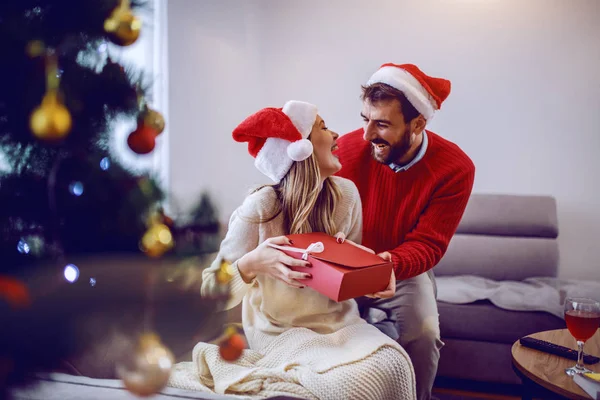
(482, 321)
(499, 257)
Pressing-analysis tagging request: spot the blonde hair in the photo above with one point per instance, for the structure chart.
(306, 207)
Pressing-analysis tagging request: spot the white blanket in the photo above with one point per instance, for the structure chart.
(302, 363)
(532, 294)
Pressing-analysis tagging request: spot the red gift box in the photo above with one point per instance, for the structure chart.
(340, 271)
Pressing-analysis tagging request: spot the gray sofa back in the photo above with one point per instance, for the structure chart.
(504, 237)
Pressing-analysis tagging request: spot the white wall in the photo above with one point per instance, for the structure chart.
(525, 101)
(215, 75)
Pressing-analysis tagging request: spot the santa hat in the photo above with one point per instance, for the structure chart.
(278, 136)
(424, 92)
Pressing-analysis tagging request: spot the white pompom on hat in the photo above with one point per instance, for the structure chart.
(278, 136)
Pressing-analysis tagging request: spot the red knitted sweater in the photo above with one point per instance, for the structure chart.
(413, 213)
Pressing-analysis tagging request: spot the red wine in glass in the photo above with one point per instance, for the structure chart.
(582, 316)
(582, 324)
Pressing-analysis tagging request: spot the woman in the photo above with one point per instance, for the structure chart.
(301, 342)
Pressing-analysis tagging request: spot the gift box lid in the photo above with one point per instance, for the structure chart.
(345, 254)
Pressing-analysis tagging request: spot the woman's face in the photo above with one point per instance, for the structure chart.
(324, 142)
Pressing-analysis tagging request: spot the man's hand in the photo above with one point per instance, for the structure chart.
(341, 238)
(390, 290)
(266, 260)
(386, 255)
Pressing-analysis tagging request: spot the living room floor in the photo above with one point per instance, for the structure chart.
(455, 394)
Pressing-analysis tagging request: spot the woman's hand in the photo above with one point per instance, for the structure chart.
(266, 260)
(390, 290)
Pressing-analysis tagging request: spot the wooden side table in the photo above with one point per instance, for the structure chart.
(547, 370)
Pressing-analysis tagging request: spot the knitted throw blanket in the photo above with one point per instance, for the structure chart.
(302, 363)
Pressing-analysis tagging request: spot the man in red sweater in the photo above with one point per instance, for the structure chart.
(414, 186)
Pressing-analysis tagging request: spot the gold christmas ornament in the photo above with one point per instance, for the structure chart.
(51, 120)
(154, 120)
(157, 240)
(225, 273)
(122, 26)
(147, 370)
(35, 48)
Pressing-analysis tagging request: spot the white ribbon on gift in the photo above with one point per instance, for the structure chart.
(316, 247)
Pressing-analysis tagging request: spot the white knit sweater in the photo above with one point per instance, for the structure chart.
(270, 306)
(301, 342)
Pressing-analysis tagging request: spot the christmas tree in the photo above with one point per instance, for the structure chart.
(62, 190)
(63, 195)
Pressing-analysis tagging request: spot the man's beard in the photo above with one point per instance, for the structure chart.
(396, 152)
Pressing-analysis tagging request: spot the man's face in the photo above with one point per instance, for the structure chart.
(385, 128)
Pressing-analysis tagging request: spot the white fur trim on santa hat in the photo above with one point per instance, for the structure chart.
(409, 85)
(300, 150)
(302, 114)
(273, 160)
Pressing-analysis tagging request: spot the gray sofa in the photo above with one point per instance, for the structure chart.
(501, 237)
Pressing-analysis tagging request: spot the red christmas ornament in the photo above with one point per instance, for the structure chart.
(231, 348)
(142, 140)
(15, 292)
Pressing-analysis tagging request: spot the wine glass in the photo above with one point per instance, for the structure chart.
(583, 319)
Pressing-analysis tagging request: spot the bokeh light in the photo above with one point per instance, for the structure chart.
(23, 247)
(76, 188)
(71, 273)
(105, 163)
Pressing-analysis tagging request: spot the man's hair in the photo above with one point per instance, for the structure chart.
(382, 92)
(306, 207)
